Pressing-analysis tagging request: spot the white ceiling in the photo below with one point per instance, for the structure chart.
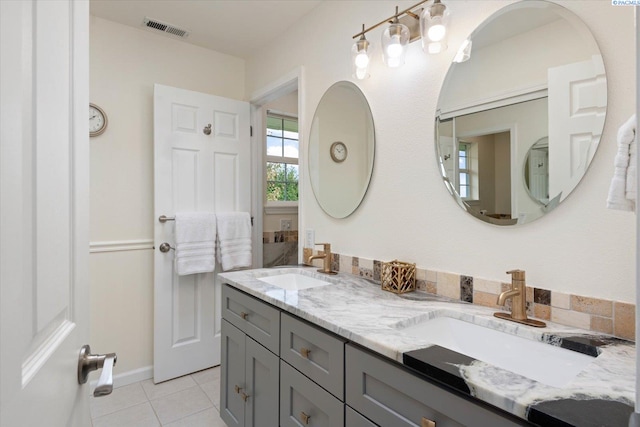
(234, 27)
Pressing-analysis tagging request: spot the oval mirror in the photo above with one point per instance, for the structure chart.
(341, 149)
(530, 76)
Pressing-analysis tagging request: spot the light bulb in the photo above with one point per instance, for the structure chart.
(361, 73)
(437, 31)
(435, 47)
(362, 60)
(394, 49)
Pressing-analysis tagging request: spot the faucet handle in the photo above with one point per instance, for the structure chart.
(517, 274)
(326, 245)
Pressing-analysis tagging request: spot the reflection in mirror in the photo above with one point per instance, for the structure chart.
(533, 91)
(341, 149)
(536, 171)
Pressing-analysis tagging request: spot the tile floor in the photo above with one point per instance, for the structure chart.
(189, 401)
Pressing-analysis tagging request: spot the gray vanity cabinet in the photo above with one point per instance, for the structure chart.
(303, 402)
(249, 381)
(315, 353)
(390, 396)
(250, 373)
(354, 419)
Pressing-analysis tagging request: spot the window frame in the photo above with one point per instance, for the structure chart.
(279, 206)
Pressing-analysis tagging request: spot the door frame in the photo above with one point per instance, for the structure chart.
(286, 84)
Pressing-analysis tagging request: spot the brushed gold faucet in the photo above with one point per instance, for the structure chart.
(326, 257)
(518, 295)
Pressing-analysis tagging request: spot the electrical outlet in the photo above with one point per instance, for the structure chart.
(310, 238)
(285, 224)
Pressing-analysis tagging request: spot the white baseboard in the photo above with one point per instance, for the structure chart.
(129, 377)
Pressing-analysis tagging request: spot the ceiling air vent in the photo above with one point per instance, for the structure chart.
(155, 25)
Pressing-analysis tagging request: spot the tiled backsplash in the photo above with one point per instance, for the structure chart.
(599, 315)
(279, 248)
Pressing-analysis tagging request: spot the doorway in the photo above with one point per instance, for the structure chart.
(278, 144)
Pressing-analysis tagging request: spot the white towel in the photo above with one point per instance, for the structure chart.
(622, 192)
(195, 242)
(234, 240)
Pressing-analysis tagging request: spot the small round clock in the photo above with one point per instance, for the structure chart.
(338, 151)
(97, 120)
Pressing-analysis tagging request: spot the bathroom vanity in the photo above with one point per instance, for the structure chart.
(339, 351)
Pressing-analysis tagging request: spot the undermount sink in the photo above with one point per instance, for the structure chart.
(545, 363)
(294, 281)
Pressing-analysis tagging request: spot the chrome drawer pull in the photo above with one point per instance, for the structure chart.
(427, 423)
(244, 315)
(305, 352)
(305, 418)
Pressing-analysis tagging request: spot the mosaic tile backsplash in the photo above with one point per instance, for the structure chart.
(279, 248)
(599, 315)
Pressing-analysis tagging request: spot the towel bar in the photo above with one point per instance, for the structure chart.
(164, 218)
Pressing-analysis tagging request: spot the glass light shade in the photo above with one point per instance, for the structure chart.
(360, 59)
(434, 23)
(394, 41)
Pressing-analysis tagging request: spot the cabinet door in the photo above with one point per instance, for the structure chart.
(304, 403)
(257, 319)
(262, 380)
(391, 396)
(232, 375)
(315, 353)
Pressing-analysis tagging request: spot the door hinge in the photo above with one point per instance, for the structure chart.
(250, 130)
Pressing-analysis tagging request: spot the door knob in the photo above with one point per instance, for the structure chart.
(88, 362)
(165, 247)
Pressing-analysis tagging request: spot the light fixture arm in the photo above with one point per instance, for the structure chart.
(390, 19)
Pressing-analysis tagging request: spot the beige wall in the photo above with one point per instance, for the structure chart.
(407, 213)
(124, 64)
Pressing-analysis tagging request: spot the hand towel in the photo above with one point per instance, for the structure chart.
(622, 191)
(195, 242)
(234, 240)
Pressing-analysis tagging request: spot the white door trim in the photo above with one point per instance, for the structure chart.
(291, 81)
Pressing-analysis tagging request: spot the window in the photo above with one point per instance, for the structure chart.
(282, 158)
(464, 170)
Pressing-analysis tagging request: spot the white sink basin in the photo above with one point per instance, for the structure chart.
(536, 360)
(293, 281)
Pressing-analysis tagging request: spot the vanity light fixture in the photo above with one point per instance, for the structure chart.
(433, 28)
(360, 57)
(406, 26)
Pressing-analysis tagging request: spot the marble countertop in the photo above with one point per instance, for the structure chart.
(358, 310)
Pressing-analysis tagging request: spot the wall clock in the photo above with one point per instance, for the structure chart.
(97, 120)
(338, 151)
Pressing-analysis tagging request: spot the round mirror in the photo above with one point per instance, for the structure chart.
(341, 149)
(531, 72)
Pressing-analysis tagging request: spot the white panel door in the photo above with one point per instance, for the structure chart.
(44, 211)
(577, 107)
(195, 170)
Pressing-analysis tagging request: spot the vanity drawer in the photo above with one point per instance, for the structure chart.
(354, 419)
(315, 353)
(303, 402)
(255, 318)
(390, 396)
